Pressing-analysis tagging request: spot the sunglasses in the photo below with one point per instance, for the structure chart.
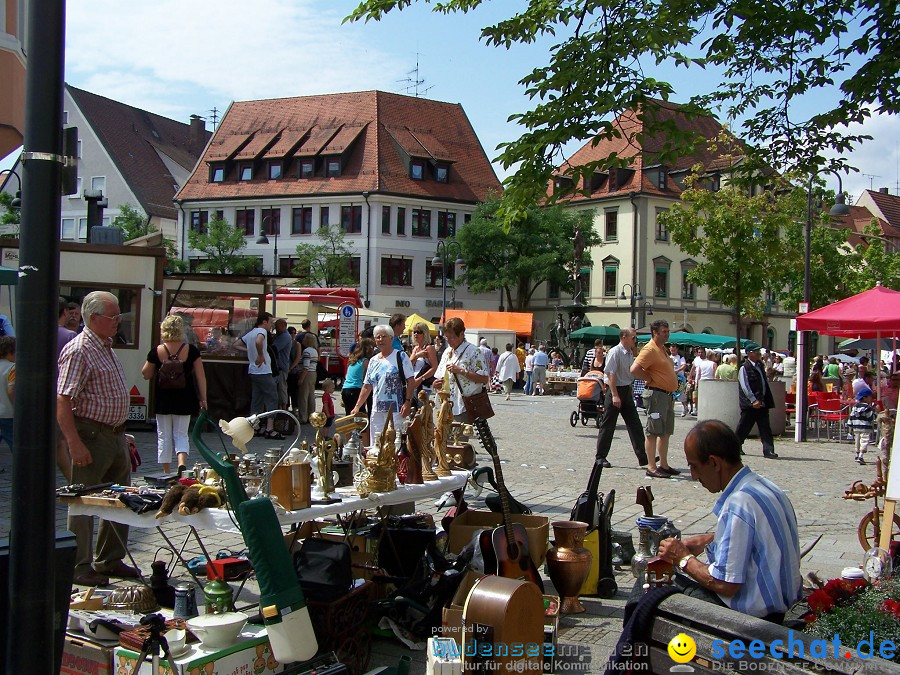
(417, 332)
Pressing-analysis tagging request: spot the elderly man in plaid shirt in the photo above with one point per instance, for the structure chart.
(92, 406)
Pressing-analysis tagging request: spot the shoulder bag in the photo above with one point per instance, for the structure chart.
(477, 405)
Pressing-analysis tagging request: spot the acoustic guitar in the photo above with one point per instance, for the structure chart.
(505, 548)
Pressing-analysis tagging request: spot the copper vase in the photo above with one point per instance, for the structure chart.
(569, 563)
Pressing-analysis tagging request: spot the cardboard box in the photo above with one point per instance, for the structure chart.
(466, 524)
(451, 616)
(250, 654)
(82, 655)
(444, 657)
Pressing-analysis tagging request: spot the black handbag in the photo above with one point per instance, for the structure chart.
(324, 569)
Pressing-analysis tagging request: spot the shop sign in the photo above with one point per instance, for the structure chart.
(347, 326)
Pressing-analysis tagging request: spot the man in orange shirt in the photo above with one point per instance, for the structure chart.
(654, 366)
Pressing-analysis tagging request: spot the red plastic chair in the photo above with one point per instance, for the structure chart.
(831, 411)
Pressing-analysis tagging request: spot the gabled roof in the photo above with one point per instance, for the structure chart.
(134, 139)
(643, 151)
(888, 211)
(372, 130)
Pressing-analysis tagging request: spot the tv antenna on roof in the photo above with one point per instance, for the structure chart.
(215, 117)
(413, 82)
(871, 177)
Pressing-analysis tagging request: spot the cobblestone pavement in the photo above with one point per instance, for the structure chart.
(546, 464)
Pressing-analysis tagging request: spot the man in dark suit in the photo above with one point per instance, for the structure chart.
(755, 400)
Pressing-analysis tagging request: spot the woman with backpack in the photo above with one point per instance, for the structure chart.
(177, 369)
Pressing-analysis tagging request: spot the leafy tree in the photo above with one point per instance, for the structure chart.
(10, 216)
(133, 222)
(610, 57)
(875, 263)
(539, 249)
(737, 241)
(173, 262)
(326, 264)
(222, 244)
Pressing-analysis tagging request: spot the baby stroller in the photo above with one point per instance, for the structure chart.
(590, 391)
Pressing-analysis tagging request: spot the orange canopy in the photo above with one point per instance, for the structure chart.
(520, 322)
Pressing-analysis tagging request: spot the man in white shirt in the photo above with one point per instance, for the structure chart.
(263, 388)
(701, 369)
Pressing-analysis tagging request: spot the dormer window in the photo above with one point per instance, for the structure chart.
(216, 174)
(441, 173)
(274, 170)
(661, 178)
(307, 168)
(333, 167)
(561, 184)
(417, 169)
(613, 180)
(246, 172)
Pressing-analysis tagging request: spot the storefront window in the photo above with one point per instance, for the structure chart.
(216, 321)
(129, 308)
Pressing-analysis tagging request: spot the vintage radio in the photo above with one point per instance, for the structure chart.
(503, 627)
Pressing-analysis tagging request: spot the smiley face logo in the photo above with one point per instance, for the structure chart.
(682, 648)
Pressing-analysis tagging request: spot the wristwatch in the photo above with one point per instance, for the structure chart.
(683, 563)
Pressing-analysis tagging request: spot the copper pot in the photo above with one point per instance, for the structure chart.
(569, 563)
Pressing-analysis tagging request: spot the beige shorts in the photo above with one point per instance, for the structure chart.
(660, 413)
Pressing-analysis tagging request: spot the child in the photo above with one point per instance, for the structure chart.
(328, 407)
(862, 421)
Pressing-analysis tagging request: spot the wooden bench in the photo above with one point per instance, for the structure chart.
(712, 628)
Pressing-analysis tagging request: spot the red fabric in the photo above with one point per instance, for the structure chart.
(327, 404)
(874, 313)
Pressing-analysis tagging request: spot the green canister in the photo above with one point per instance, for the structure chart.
(219, 597)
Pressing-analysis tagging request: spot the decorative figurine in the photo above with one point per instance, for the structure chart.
(323, 491)
(417, 447)
(442, 433)
(382, 462)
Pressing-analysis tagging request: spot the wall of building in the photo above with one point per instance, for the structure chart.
(12, 74)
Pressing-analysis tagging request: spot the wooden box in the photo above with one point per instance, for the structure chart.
(282, 486)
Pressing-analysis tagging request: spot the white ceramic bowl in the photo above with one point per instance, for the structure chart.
(217, 631)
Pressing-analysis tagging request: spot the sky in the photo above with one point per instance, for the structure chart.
(182, 57)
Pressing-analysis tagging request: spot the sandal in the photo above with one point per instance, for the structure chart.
(273, 435)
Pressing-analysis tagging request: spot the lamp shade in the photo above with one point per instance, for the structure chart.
(240, 430)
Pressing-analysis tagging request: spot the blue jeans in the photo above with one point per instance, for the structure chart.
(529, 382)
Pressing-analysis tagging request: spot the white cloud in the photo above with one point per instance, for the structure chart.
(876, 160)
(170, 56)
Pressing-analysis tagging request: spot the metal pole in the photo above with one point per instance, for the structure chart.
(275, 272)
(802, 342)
(32, 565)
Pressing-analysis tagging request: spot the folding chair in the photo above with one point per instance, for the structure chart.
(832, 411)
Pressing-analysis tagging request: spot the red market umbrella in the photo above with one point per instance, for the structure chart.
(871, 314)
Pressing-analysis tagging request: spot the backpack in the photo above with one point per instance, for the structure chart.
(171, 371)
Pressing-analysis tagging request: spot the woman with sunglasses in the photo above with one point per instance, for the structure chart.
(424, 359)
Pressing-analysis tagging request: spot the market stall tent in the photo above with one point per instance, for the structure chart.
(520, 322)
(872, 314)
(413, 319)
(589, 334)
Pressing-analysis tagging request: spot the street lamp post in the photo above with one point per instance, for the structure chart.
(647, 311)
(16, 202)
(264, 240)
(444, 248)
(840, 208)
(635, 296)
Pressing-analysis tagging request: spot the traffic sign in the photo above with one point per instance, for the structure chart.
(347, 320)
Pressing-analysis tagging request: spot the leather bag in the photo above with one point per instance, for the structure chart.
(477, 405)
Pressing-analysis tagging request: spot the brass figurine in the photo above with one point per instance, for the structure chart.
(442, 433)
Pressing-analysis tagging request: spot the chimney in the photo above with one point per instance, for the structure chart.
(198, 135)
(884, 191)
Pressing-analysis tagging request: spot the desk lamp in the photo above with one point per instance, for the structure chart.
(281, 600)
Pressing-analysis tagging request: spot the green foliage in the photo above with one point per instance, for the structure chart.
(173, 262)
(875, 608)
(327, 264)
(539, 249)
(877, 262)
(133, 222)
(736, 239)
(765, 56)
(9, 216)
(222, 245)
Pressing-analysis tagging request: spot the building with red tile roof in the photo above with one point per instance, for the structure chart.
(638, 274)
(132, 156)
(397, 173)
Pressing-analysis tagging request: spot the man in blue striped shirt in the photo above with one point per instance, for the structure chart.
(753, 558)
